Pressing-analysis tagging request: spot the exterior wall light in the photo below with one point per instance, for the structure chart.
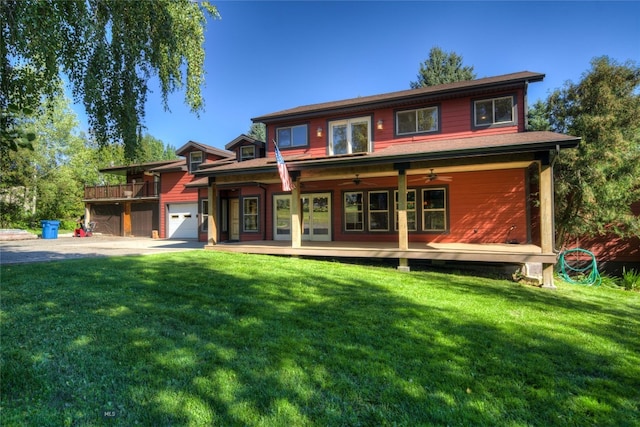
(319, 132)
(380, 123)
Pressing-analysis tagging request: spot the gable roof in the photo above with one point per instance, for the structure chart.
(241, 139)
(196, 146)
(393, 99)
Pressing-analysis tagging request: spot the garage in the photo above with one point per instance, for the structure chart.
(107, 218)
(183, 221)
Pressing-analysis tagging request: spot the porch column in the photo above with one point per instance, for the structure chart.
(403, 228)
(126, 220)
(296, 224)
(212, 220)
(546, 220)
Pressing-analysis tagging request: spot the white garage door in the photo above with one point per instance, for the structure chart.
(183, 221)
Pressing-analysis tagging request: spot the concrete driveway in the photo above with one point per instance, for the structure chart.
(67, 247)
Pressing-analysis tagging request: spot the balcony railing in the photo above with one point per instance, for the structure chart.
(122, 191)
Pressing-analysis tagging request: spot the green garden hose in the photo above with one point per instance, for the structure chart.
(574, 268)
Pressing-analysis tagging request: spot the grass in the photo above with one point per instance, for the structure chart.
(206, 338)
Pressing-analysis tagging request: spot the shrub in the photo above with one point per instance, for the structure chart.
(631, 279)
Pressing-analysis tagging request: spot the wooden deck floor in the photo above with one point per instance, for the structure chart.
(503, 253)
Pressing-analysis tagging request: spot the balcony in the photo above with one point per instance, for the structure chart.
(143, 190)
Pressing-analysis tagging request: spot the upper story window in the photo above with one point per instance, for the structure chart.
(496, 111)
(247, 152)
(350, 136)
(421, 120)
(195, 159)
(293, 136)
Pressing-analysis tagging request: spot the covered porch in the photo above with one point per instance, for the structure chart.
(459, 252)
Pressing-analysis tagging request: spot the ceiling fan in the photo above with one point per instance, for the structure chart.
(355, 181)
(432, 176)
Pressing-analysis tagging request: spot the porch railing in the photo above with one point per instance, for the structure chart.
(122, 191)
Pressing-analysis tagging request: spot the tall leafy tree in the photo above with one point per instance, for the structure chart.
(258, 131)
(108, 50)
(597, 183)
(152, 149)
(442, 67)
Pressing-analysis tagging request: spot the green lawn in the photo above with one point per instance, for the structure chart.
(207, 338)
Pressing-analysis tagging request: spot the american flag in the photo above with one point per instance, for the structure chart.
(287, 185)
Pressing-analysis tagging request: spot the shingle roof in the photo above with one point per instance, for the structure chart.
(404, 152)
(404, 96)
(203, 147)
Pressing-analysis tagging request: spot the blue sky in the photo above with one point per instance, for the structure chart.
(265, 56)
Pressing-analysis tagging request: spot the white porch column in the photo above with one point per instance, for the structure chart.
(212, 220)
(546, 220)
(403, 228)
(296, 222)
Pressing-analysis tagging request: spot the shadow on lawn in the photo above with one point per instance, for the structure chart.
(238, 345)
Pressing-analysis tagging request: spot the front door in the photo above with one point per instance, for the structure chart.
(316, 217)
(234, 214)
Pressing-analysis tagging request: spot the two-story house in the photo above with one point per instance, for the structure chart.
(442, 173)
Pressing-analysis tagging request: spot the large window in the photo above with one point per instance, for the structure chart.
(411, 210)
(378, 211)
(293, 136)
(496, 111)
(250, 213)
(195, 159)
(434, 209)
(353, 211)
(350, 136)
(417, 121)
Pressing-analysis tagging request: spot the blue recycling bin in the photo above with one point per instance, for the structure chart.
(50, 228)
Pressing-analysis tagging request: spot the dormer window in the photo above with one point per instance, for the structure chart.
(247, 152)
(195, 159)
(495, 111)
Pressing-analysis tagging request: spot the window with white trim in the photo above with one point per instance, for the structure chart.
(353, 211)
(293, 136)
(378, 211)
(411, 210)
(434, 209)
(421, 120)
(350, 136)
(250, 214)
(195, 159)
(495, 111)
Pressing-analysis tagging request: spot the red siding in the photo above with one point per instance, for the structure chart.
(483, 208)
(455, 122)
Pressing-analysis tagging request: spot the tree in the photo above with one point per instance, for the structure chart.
(442, 67)
(108, 50)
(258, 131)
(152, 149)
(597, 182)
